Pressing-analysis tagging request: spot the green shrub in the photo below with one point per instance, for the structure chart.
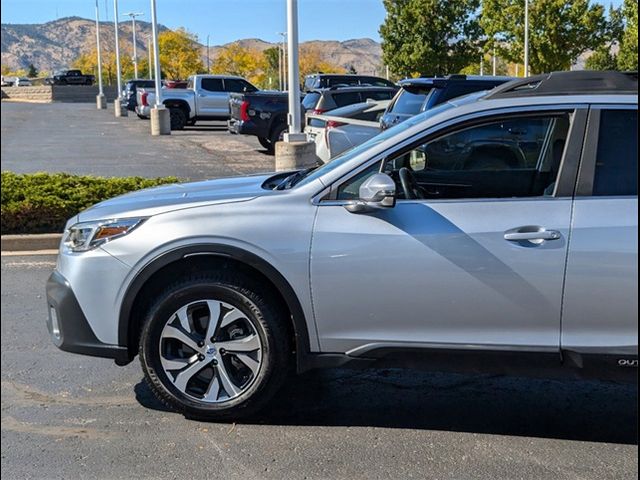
(43, 202)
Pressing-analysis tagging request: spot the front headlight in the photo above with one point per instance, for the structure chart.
(84, 236)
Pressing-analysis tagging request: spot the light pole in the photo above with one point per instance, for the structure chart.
(280, 83)
(100, 100)
(295, 131)
(284, 56)
(133, 16)
(160, 121)
(495, 62)
(117, 106)
(526, 38)
(149, 66)
(208, 60)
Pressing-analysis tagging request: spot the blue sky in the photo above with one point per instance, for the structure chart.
(223, 20)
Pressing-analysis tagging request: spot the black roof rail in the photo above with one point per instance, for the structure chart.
(568, 83)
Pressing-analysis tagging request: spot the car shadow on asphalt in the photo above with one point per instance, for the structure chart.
(488, 404)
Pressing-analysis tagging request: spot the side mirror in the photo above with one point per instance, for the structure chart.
(377, 191)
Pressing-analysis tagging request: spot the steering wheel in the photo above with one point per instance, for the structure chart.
(409, 184)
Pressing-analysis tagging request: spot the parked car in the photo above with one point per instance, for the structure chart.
(6, 81)
(131, 89)
(205, 98)
(344, 128)
(70, 77)
(176, 83)
(326, 80)
(264, 114)
(420, 94)
(443, 241)
(22, 82)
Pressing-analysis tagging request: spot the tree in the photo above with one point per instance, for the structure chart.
(430, 36)
(235, 59)
(604, 58)
(180, 54)
(352, 70)
(559, 32)
(32, 72)
(628, 55)
(310, 60)
(88, 63)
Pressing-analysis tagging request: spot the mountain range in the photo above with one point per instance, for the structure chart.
(54, 45)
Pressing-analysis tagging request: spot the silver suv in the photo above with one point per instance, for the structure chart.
(499, 234)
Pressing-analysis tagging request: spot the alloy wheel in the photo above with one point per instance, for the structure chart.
(210, 351)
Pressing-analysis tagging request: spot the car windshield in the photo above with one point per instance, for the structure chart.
(343, 158)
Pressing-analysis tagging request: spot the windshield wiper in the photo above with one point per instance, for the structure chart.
(290, 180)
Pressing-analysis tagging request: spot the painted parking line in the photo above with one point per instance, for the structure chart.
(27, 253)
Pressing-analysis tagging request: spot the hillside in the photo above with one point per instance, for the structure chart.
(56, 44)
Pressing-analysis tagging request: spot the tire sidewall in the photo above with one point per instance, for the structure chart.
(159, 316)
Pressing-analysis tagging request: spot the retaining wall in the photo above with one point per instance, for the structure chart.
(58, 93)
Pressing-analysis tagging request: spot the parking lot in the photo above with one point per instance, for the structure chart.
(70, 416)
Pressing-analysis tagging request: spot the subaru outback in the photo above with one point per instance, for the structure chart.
(498, 234)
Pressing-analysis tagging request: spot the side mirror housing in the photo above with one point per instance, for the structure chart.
(377, 191)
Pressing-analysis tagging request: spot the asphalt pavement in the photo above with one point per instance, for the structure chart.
(67, 416)
(77, 138)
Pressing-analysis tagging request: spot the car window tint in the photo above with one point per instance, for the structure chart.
(518, 157)
(616, 170)
(237, 85)
(408, 103)
(346, 98)
(310, 83)
(376, 82)
(377, 95)
(310, 100)
(212, 84)
(372, 115)
(335, 81)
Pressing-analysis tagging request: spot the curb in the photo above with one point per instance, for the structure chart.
(21, 243)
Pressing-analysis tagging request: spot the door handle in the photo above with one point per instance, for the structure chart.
(524, 234)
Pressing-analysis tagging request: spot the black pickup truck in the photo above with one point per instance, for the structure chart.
(70, 77)
(264, 113)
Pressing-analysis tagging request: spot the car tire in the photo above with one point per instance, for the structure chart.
(276, 136)
(204, 378)
(178, 118)
(265, 142)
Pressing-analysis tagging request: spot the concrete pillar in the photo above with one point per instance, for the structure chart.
(160, 121)
(101, 101)
(119, 109)
(295, 155)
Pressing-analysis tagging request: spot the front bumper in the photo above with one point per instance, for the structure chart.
(70, 331)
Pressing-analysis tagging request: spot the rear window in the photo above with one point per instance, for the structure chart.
(346, 98)
(334, 81)
(379, 95)
(310, 100)
(310, 83)
(376, 82)
(408, 103)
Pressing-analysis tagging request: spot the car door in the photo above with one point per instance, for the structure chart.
(600, 313)
(212, 100)
(472, 268)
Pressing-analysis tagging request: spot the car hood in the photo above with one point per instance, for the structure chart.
(165, 198)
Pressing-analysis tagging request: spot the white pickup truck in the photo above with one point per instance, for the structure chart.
(205, 98)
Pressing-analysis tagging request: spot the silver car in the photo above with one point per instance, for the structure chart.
(498, 235)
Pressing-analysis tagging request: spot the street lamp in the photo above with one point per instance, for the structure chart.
(100, 100)
(149, 66)
(208, 60)
(295, 128)
(117, 106)
(526, 38)
(284, 58)
(133, 16)
(160, 121)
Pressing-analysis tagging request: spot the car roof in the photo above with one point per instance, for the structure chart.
(353, 88)
(443, 81)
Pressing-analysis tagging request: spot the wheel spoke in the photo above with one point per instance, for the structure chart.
(177, 363)
(213, 391)
(172, 332)
(227, 384)
(214, 318)
(183, 316)
(231, 316)
(249, 362)
(185, 375)
(246, 344)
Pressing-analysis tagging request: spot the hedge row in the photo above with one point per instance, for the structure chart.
(43, 202)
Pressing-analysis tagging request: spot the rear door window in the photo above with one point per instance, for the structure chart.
(237, 85)
(212, 84)
(310, 100)
(616, 170)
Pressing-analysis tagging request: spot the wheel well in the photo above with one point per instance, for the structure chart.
(184, 106)
(199, 264)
